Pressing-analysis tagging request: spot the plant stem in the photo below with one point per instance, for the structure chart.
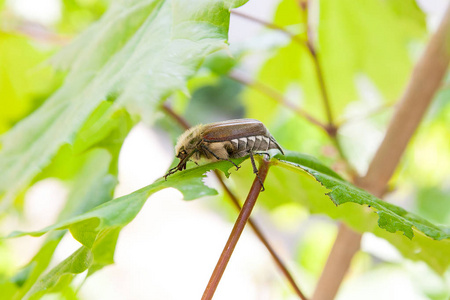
(331, 128)
(425, 81)
(323, 91)
(278, 97)
(183, 123)
(263, 239)
(238, 228)
(311, 50)
(180, 120)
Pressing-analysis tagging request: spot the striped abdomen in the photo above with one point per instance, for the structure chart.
(242, 146)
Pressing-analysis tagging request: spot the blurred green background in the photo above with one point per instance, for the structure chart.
(367, 50)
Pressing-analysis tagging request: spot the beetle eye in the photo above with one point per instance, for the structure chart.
(182, 154)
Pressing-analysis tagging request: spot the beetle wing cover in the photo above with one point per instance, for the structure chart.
(233, 129)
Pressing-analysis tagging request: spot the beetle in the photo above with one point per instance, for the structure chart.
(222, 141)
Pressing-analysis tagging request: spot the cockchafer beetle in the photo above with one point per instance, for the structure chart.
(222, 141)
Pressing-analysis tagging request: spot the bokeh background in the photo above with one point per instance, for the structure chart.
(170, 249)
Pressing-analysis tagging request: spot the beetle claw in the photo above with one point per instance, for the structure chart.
(170, 172)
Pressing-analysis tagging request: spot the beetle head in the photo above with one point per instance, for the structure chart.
(188, 142)
(184, 157)
(186, 146)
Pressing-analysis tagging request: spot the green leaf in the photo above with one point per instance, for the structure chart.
(87, 227)
(301, 159)
(304, 180)
(368, 39)
(92, 186)
(23, 82)
(77, 263)
(136, 55)
(89, 173)
(104, 249)
(352, 41)
(77, 15)
(99, 229)
(309, 183)
(434, 204)
(390, 217)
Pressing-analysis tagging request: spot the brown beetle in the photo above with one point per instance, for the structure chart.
(222, 141)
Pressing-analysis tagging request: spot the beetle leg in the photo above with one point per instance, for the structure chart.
(218, 158)
(170, 172)
(255, 170)
(181, 165)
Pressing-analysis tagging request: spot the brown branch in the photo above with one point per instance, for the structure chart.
(180, 120)
(278, 97)
(331, 128)
(323, 90)
(183, 123)
(445, 86)
(263, 239)
(238, 228)
(425, 81)
(311, 50)
(304, 6)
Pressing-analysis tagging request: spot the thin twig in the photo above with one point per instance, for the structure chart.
(275, 95)
(183, 123)
(323, 91)
(238, 228)
(425, 81)
(263, 239)
(331, 128)
(304, 7)
(180, 120)
(311, 50)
